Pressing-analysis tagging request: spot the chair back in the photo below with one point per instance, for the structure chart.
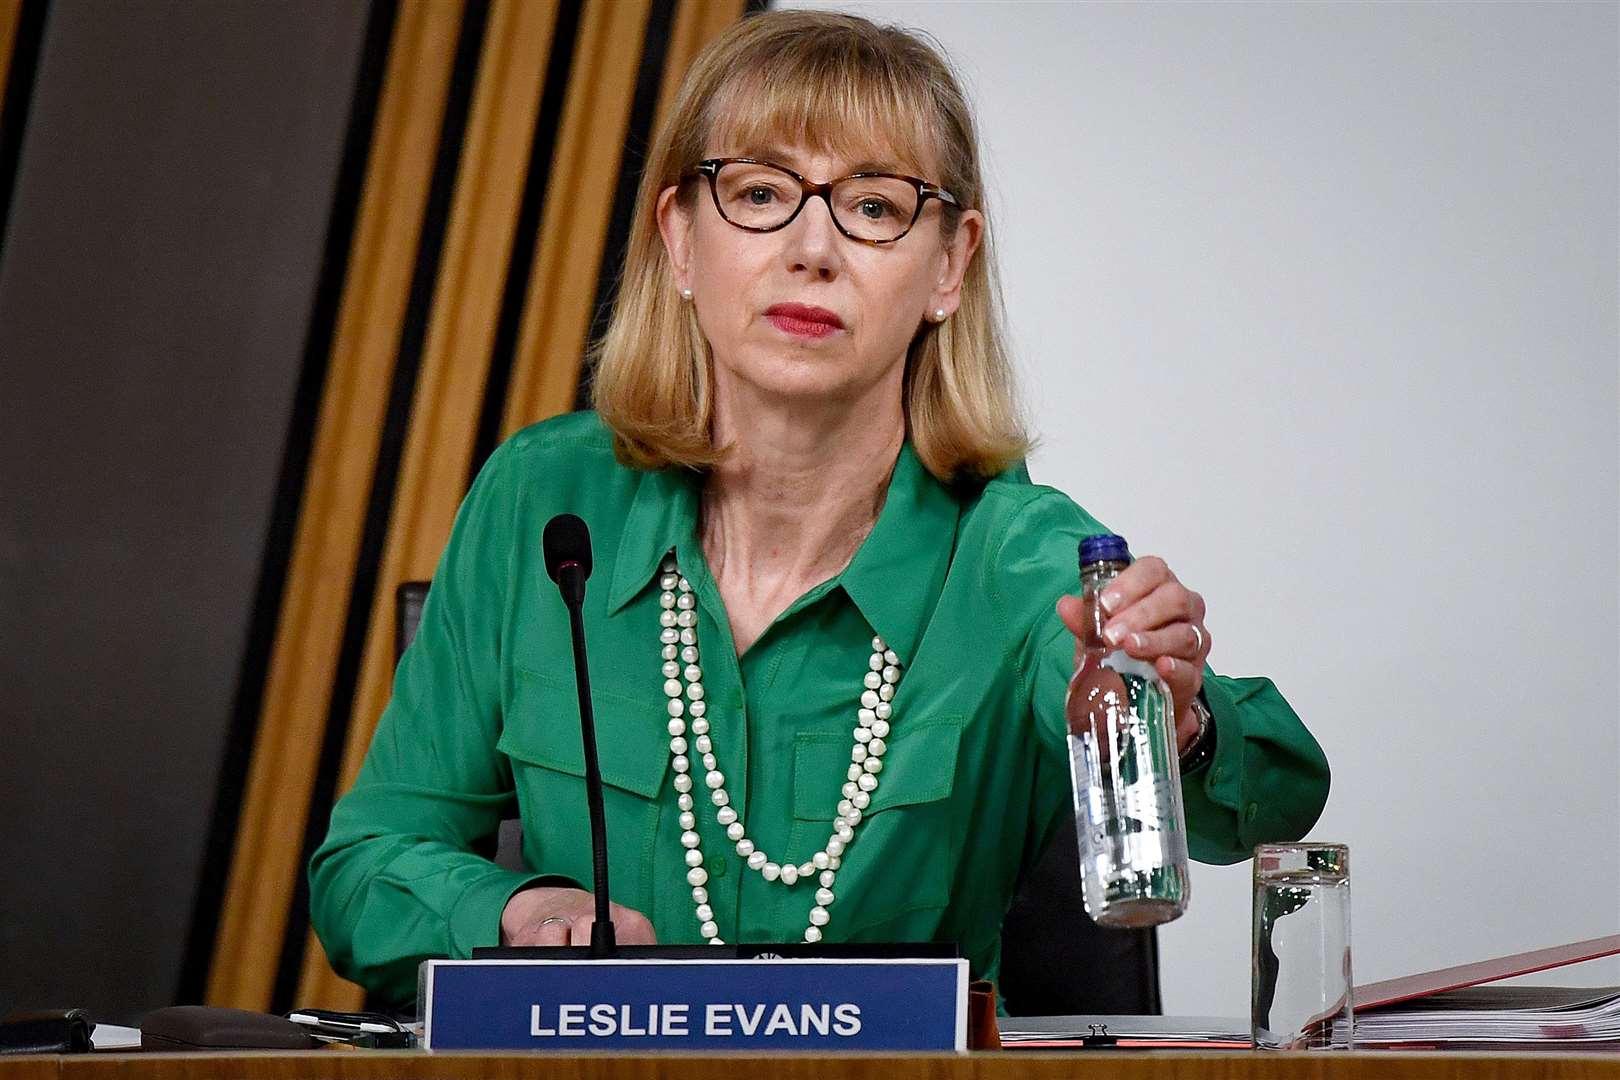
(408, 601)
(1056, 962)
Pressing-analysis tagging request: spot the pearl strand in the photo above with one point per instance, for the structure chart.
(683, 677)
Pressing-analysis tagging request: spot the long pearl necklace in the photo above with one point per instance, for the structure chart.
(677, 618)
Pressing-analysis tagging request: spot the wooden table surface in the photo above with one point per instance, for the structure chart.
(1006, 1065)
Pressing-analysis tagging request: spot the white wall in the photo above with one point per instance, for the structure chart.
(1319, 302)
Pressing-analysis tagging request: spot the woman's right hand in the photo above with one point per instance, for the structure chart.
(545, 915)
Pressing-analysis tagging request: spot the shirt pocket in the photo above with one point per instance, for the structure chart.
(903, 857)
(541, 738)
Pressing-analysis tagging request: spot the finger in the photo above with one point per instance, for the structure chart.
(1178, 640)
(1184, 680)
(1171, 602)
(1072, 610)
(631, 927)
(1134, 582)
(554, 930)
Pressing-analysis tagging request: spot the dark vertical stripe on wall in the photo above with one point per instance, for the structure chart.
(654, 51)
(19, 95)
(379, 505)
(277, 558)
(547, 124)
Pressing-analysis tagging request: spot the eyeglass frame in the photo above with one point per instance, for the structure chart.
(710, 168)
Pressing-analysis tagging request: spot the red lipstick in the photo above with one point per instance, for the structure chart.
(802, 320)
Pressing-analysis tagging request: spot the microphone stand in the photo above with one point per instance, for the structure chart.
(571, 580)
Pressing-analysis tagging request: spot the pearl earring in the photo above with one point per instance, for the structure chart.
(939, 314)
(686, 294)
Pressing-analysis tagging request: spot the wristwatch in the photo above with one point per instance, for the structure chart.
(1202, 748)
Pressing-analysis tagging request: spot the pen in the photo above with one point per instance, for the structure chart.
(362, 1025)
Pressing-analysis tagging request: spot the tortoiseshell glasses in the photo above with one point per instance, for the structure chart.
(871, 207)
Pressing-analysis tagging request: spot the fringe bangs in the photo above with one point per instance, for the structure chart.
(831, 98)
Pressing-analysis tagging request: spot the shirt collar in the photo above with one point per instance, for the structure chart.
(897, 574)
(894, 579)
(663, 516)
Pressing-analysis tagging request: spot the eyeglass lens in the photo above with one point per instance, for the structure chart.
(764, 197)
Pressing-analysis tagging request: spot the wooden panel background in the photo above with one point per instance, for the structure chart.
(10, 16)
(478, 138)
(298, 690)
(558, 309)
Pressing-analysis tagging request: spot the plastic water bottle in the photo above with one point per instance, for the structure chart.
(1123, 759)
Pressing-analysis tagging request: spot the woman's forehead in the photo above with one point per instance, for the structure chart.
(857, 135)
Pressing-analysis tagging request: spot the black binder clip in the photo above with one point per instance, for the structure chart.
(1099, 1039)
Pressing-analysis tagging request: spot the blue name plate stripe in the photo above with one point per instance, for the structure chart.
(578, 1005)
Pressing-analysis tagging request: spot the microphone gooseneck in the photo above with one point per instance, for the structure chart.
(566, 544)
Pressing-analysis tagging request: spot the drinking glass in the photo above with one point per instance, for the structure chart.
(1301, 972)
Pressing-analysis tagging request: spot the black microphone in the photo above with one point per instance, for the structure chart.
(566, 543)
(567, 546)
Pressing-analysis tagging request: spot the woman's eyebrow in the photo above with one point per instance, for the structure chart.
(783, 156)
(875, 165)
(763, 152)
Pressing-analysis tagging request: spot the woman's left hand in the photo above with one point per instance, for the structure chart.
(1153, 616)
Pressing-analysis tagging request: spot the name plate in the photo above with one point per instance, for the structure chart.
(574, 1005)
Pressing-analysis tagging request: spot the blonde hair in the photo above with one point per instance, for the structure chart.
(820, 79)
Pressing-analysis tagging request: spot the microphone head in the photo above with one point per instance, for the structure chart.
(566, 540)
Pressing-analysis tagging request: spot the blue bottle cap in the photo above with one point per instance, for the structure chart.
(1104, 548)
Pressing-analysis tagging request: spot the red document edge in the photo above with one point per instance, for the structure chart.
(1407, 987)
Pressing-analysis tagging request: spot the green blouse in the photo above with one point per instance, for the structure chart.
(961, 583)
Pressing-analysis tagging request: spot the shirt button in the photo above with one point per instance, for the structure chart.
(1219, 774)
(1249, 814)
(717, 864)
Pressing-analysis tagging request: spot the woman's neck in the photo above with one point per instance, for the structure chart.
(791, 503)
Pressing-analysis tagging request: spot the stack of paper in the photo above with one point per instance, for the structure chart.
(1452, 1008)
(1134, 1032)
(1492, 1018)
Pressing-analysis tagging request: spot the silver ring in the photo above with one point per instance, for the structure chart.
(548, 920)
(1199, 634)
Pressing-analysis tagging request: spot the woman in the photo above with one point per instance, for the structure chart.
(828, 633)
